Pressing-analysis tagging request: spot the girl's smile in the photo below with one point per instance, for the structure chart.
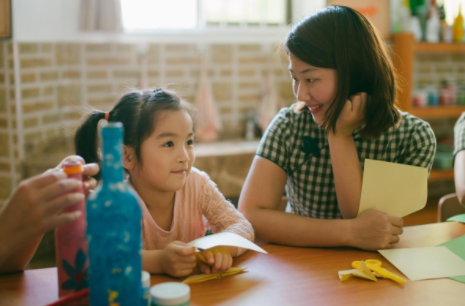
(179, 172)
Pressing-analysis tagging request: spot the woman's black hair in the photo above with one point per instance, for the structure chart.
(341, 38)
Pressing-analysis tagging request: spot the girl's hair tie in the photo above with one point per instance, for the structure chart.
(107, 115)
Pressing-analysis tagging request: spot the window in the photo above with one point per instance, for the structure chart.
(153, 15)
(248, 12)
(146, 15)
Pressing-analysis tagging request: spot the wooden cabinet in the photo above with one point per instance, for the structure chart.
(405, 48)
(5, 18)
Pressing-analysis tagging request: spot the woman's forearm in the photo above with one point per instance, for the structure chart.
(274, 226)
(16, 259)
(347, 174)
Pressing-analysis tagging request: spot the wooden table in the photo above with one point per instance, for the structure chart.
(287, 276)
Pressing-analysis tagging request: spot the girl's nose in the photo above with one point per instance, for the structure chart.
(183, 156)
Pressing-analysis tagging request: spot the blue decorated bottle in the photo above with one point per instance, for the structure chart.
(114, 224)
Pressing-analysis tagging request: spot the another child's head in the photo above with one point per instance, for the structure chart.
(334, 54)
(158, 137)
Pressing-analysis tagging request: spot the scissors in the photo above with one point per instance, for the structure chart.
(201, 258)
(375, 266)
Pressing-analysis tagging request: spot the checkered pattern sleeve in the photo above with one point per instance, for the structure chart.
(273, 144)
(421, 146)
(459, 135)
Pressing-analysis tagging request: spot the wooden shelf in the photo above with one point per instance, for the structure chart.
(441, 175)
(438, 111)
(405, 47)
(424, 47)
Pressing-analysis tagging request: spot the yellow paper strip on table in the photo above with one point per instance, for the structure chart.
(363, 272)
(204, 277)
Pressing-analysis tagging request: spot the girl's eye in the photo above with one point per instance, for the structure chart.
(293, 79)
(190, 142)
(310, 80)
(169, 144)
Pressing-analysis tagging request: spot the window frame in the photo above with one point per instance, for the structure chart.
(223, 28)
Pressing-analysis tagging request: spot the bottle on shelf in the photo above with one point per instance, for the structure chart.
(447, 94)
(114, 225)
(433, 26)
(402, 17)
(458, 26)
(422, 13)
(446, 29)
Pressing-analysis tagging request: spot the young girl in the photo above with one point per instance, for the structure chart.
(346, 88)
(175, 197)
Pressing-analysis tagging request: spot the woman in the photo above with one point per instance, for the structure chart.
(346, 87)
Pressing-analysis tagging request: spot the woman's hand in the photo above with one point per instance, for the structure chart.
(88, 171)
(219, 259)
(352, 115)
(33, 208)
(178, 259)
(374, 230)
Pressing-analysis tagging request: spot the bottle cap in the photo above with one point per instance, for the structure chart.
(170, 294)
(72, 167)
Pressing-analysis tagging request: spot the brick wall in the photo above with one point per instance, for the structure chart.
(8, 132)
(58, 82)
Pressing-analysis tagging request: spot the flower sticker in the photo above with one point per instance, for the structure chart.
(78, 278)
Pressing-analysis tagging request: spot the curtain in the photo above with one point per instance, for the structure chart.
(101, 15)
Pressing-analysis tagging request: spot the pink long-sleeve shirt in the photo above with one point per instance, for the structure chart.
(197, 206)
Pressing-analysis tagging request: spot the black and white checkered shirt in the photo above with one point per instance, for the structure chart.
(459, 135)
(295, 143)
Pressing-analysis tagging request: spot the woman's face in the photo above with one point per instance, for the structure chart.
(315, 86)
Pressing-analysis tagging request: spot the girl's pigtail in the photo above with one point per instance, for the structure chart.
(86, 139)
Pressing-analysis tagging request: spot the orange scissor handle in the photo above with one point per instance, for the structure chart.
(375, 266)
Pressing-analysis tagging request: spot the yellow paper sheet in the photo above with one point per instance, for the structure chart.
(204, 277)
(426, 263)
(395, 189)
(225, 239)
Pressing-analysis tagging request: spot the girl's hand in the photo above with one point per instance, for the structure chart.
(374, 230)
(352, 115)
(178, 259)
(219, 259)
(88, 171)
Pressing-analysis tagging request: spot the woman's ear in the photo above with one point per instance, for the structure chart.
(129, 158)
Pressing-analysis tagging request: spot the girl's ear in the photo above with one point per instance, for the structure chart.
(129, 158)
